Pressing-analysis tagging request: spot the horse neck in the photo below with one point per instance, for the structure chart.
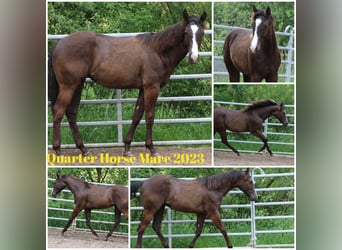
(169, 43)
(73, 184)
(266, 112)
(268, 43)
(222, 183)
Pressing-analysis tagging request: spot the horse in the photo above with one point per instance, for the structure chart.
(90, 196)
(144, 62)
(254, 53)
(201, 196)
(249, 119)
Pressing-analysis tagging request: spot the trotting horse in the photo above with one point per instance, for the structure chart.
(202, 196)
(255, 53)
(89, 196)
(145, 62)
(249, 119)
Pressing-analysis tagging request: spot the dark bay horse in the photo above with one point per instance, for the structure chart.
(254, 53)
(202, 196)
(249, 119)
(144, 62)
(89, 196)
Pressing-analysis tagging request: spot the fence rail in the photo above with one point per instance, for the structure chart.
(266, 130)
(255, 220)
(287, 53)
(119, 122)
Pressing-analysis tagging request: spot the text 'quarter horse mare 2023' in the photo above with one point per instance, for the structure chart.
(253, 53)
(143, 62)
(90, 196)
(202, 196)
(249, 119)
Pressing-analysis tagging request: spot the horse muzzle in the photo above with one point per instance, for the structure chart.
(193, 58)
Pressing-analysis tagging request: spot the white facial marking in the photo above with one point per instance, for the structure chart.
(254, 42)
(194, 49)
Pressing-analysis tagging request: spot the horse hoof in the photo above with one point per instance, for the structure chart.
(85, 152)
(127, 153)
(155, 154)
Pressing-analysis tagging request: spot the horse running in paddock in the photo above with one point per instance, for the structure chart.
(90, 196)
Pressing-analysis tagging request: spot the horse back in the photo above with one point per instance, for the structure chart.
(234, 120)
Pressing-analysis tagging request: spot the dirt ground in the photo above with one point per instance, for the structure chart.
(113, 157)
(83, 239)
(222, 158)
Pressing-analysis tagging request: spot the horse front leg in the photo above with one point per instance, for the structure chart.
(138, 113)
(216, 218)
(150, 100)
(199, 227)
(116, 223)
(260, 135)
(75, 212)
(88, 218)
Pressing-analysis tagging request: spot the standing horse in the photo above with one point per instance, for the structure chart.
(89, 196)
(202, 196)
(249, 119)
(145, 62)
(255, 53)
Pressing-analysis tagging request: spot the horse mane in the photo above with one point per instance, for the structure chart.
(217, 181)
(87, 184)
(165, 39)
(259, 104)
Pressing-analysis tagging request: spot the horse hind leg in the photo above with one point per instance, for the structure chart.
(223, 135)
(156, 225)
(199, 227)
(71, 113)
(64, 98)
(148, 215)
(88, 218)
(116, 223)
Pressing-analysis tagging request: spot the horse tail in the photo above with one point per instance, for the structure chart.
(53, 87)
(135, 186)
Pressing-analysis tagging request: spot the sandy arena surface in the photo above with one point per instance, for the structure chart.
(83, 239)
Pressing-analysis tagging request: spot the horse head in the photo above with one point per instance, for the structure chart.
(246, 185)
(194, 32)
(58, 186)
(280, 114)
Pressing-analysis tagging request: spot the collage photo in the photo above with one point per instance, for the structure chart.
(171, 124)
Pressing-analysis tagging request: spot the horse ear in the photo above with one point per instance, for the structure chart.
(268, 11)
(254, 8)
(58, 176)
(185, 15)
(204, 16)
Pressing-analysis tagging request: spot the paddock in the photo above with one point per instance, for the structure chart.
(119, 102)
